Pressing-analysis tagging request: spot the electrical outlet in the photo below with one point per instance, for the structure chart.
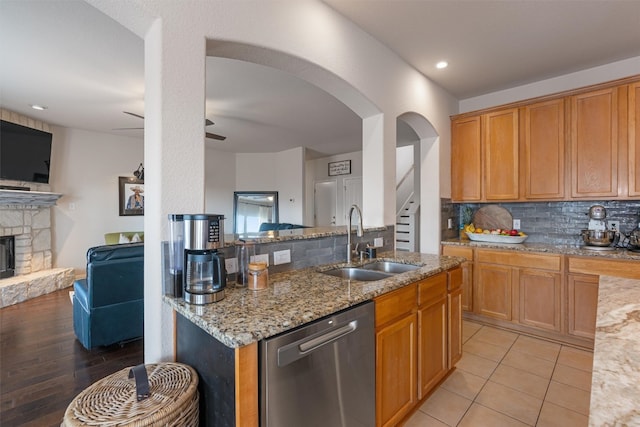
(231, 265)
(260, 258)
(282, 257)
(449, 223)
(378, 242)
(614, 225)
(516, 224)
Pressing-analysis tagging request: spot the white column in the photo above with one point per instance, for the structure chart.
(173, 158)
(373, 171)
(430, 195)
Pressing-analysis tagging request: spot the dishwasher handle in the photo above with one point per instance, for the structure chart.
(297, 350)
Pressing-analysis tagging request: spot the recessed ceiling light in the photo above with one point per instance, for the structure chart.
(442, 64)
(38, 107)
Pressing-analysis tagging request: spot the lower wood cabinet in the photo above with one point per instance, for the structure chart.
(582, 304)
(396, 353)
(493, 291)
(467, 273)
(553, 296)
(523, 288)
(396, 391)
(417, 327)
(454, 316)
(432, 332)
(539, 299)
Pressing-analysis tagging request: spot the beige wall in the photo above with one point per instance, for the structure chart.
(85, 167)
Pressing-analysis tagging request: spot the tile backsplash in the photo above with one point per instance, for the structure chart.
(548, 222)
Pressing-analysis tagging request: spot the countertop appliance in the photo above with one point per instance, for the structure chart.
(205, 275)
(322, 373)
(598, 236)
(634, 237)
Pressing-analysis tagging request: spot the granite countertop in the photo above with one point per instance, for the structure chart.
(621, 254)
(292, 234)
(297, 297)
(616, 359)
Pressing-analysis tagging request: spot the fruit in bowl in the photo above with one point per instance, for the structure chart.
(494, 235)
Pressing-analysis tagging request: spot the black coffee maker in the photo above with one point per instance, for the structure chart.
(205, 275)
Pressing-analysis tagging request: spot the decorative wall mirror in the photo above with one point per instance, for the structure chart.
(252, 208)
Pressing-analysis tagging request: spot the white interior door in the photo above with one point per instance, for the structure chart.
(352, 195)
(324, 202)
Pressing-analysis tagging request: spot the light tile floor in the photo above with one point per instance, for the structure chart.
(508, 379)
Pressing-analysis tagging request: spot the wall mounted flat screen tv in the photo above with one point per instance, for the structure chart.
(25, 153)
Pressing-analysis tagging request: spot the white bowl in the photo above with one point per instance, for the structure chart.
(495, 238)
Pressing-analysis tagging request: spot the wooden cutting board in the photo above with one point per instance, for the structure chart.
(491, 217)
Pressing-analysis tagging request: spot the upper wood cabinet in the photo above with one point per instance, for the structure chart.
(594, 144)
(634, 140)
(485, 154)
(578, 145)
(543, 150)
(501, 154)
(466, 159)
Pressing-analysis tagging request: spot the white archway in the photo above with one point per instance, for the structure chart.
(426, 160)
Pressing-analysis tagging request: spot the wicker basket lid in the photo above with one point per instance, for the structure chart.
(112, 400)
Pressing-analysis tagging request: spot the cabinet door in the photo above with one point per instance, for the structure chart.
(493, 296)
(466, 159)
(501, 155)
(539, 298)
(582, 304)
(543, 141)
(594, 144)
(432, 345)
(454, 311)
(467, 286)
(634, 140)
(396, 371)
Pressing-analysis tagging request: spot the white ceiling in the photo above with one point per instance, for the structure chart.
(499, 44)
(87, 69)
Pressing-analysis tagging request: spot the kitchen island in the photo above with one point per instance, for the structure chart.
(224, 335)
(616, 358)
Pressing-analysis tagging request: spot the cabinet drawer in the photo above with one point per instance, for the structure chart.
(432, 289)
(515, 259)
(395, 304)
(458, 251)
(604, 267)
(454, 279)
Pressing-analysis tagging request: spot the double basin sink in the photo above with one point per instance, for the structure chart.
(376, 270)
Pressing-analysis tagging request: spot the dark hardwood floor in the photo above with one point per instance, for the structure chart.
(42, 365)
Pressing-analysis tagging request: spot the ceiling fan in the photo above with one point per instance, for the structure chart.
(207, 122)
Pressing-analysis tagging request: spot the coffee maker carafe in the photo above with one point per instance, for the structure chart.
(205, 276)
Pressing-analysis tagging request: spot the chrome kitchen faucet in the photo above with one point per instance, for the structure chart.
(359, 230)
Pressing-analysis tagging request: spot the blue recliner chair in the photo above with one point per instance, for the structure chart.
(108, 306)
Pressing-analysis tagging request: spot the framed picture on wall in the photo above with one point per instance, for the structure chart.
(342, 167)
(131, 192)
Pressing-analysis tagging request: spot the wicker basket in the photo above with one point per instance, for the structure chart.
(112, 401)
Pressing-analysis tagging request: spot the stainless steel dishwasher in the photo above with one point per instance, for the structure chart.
(321, 374)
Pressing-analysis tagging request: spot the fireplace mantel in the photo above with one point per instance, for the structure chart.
(28, 198)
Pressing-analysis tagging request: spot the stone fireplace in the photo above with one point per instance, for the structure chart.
(25, 219)
(30, 226)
